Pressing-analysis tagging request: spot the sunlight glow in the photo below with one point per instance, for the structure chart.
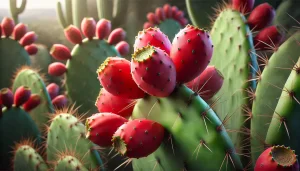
(31, 4)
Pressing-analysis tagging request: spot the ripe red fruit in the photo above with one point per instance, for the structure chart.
(153, 70)
(261, 16)
(106, 102)
(114, 75)
(32, 103)
(100, 128)
(60, 101)
(243, 6)
(153, 37)
(22, 94)
(208, 83)
(277, 158)
(57, 69)
(138, 138)
(191, 52)
(53, 90)
(268, 38)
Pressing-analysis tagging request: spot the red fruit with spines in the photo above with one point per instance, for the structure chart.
(53, 90)
(277, 158)
(123, 48)
(153, 37)
(73, 34)
(138, 138)
(159, 12)
(19, 31)
(208, 83)
(107, 102)
(153, 19)
(28, 39)
(8, 26)
(243, 6)
(57, 69)
(7, 97)
(22, 95)
(114, 75)
(31, 49)
(60, 101)
(60, 52)
(191, 53)
(88, 27)
(116, 36)
(101, 127)
(167, 10)
(153, 70)
(32, 103)
(267, 38)
(261, 17)
(103, 29)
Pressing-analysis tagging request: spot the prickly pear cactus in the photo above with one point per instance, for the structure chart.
(284, 127)
(16, 124)
(270, 85)
(67, 134)
(26, 157)
(31, 78)
(168, 18)
(86, 57)
(184, 111)
(69, 163)
(15, 46)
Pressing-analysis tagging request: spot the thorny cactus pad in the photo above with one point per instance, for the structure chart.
(15, 123)
(86, 57)
(195, 129)
(69, 163)
(168, 18)
(15, 45)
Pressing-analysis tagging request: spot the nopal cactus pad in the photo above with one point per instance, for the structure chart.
(67, 133)
(26, 76)
(184, 111)
(69, 163)
(13, 41)
(86, 57)
(233, 55)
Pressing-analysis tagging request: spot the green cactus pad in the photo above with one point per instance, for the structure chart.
(194, 127)
(284, 128)
(15, 125)
(233, 44)
(31, 78)
(27, 158)
(12, 56)
(170, 27)
(269, 88)
(69, 163)
(67, 134)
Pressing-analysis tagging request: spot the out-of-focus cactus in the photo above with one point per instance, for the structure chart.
(15, 11)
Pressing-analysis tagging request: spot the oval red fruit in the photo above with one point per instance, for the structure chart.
(267, 38)
(116, 36)
(262, 16)
(103, 28)
(22, 94)
(57, 69)
(73, 34)
(60, 101)
(123, 48)
(243, 6)
(32, 103)
(88, 27)
(7, 97)
(60, 52)
(53, 90)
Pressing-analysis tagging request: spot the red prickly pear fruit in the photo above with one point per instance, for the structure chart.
(277, 158)
(7, 26)
(53, 90)
(267, 38)
(153, 19)
(116, 36)
(183, 21)
(153, 70)
(114, 75)
(60, 101)
(261, 17)
(174, 11)
(168, 10)
(107, 102)
(208, 83)
(32, 103)
(243, 6)
(7, 97)
(153, 37)
(19, 31)
(103, 28)
(123, 48)
(28, 39)
(31, 49)
(60, 52)
(73, 34)
(0, 36)
(101, 127)
(88, 27)
(178, 15)
(22, 95)
(147, 25)
(191, 53)
(138, 138)
(57, 69)
(160, 13)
